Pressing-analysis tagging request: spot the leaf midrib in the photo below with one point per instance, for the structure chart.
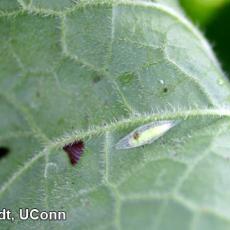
(137, 119)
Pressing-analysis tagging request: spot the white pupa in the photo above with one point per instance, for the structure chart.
(145, 134)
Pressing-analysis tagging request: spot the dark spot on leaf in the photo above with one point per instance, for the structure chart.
(136, 135)
(165, 90)
(97, 78)
(4, 151)
(74, 151)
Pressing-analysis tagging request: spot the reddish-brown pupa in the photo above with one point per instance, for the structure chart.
(74, 151)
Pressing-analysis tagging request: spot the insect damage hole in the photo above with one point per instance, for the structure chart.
(74, 151)
(4, 151)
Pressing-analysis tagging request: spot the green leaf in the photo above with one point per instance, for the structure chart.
(96, 70)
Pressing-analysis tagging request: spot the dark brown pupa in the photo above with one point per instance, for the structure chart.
(74, 151)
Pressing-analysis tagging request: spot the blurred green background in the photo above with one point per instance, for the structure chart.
(213, 18)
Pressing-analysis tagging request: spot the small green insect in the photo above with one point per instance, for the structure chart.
(145, 134)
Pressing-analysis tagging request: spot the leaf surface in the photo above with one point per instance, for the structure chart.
(96, 70)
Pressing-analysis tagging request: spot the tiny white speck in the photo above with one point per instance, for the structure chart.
(220, 82)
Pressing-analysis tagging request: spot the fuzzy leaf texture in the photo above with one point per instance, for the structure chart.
(94, 71)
